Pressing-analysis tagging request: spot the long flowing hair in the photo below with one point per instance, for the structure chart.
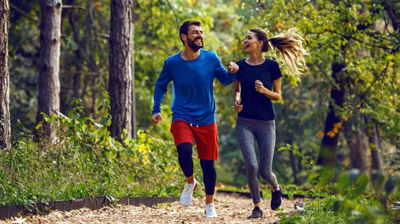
(289, 44)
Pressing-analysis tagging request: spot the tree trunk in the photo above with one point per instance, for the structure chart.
(76, 81)
(358, 145)
(120, 82)
(5, 125)
(328, 151)
(375, 147)
(294, 168)
(133, 87)
(49, 83)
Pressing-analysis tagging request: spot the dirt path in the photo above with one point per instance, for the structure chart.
(230, 209)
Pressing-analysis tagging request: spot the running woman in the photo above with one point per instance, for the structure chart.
(257, 83)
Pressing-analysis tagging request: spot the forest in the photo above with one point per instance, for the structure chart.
(77, 80)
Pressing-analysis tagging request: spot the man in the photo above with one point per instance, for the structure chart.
(193, 108)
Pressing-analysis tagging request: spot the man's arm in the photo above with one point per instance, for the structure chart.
(222, 74)
(161, 88)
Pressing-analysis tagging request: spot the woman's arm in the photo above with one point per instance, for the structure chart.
(236, 96)
(273, 95)
(236, 91)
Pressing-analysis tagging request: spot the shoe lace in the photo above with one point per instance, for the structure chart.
(187, 187)
(276, 195)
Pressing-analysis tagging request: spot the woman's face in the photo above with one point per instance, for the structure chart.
(251, 43)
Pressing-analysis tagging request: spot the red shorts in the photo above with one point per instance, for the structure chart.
(206, 137)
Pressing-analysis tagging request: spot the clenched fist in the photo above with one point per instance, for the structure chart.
(156, 118)
(259, 87)
(233, 67)
(238, 107)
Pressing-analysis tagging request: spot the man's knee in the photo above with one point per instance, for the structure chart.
(185, 149)
(207, 164)
(185, 158)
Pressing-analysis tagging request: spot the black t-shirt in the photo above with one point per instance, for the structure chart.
(257, 105)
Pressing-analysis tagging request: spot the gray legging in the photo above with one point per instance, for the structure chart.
(247, 130)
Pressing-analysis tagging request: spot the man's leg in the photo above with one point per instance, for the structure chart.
(207, 148)
(209, 178)
(183, 137)
(185, 160)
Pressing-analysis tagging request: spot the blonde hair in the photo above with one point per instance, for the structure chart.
(290, 45)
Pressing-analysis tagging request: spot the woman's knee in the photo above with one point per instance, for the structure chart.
(266, 175)
(252, 169)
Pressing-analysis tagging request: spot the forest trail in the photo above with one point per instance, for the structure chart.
(230, 209)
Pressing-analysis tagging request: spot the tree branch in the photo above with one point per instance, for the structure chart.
(173, 11)
(261, 4)
(376, 79)
(72, 7)
(24, 14)
(350, 37)
(105, 36)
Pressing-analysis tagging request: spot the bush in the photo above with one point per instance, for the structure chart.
(86, 161)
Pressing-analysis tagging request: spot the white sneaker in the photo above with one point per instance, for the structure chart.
(210, 211)
(187, 193)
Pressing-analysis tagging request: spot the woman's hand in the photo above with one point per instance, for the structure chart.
(238, 107)
(260, 87)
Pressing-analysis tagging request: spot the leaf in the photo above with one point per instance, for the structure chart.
(71, 112)
(362, 183)
(100, 108)
(390, 57)
(131, 178)
(287, 147)
(104, 121)
(343, 183)
(391, 184)
(377, 180)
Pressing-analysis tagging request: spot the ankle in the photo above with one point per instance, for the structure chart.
(190, 180)
(276, 189)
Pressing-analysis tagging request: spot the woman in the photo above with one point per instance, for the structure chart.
(257, 82)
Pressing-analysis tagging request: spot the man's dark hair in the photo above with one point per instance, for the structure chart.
(185, 28)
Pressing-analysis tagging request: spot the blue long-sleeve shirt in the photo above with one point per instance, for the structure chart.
(193, 92)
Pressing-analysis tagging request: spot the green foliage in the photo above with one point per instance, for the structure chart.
(87, 162)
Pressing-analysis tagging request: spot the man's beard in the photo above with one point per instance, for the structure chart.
(193, 45)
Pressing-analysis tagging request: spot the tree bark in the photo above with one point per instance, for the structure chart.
(294, 168)
(358, 145)
(120, 82)
(375, 147)
(329, 145)
(5, 125)
(49, 83)
(133, 87)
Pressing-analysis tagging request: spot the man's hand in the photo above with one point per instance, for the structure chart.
(233, 67)
(238, 107)
(156, 118)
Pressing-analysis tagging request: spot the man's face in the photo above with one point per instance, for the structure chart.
(195, 37)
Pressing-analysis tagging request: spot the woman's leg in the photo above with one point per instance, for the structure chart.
(246, 141)
(265, 134)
